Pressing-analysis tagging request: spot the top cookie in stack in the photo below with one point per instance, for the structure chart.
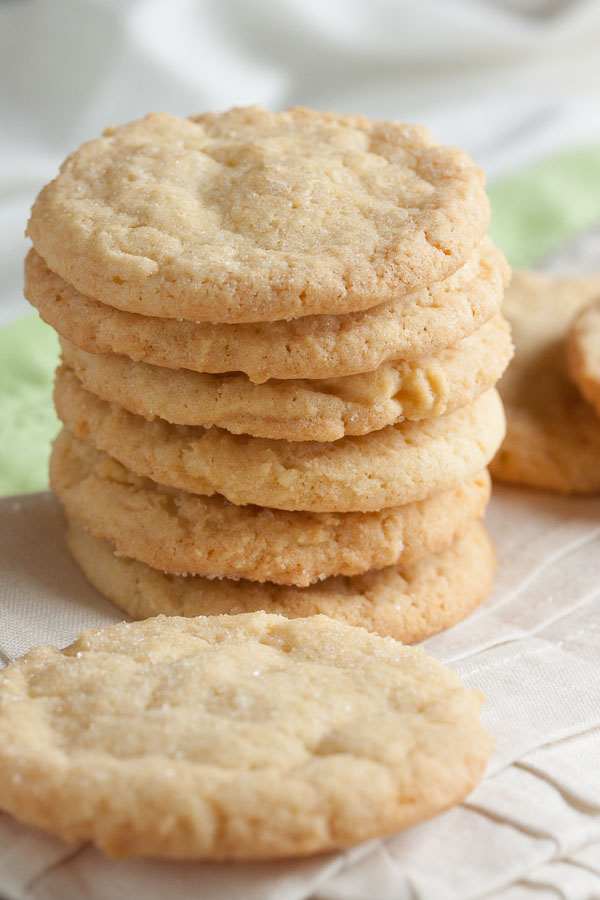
(257, 217)
(280, 335)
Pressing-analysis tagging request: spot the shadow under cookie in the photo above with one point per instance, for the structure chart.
(553, 434)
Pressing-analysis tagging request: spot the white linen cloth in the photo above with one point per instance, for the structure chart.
(529, 831)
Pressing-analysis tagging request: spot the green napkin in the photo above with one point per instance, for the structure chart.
(537, 210)
(534, 212)
(28, 355)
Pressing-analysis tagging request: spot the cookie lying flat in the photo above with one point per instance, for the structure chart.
(396, 465)
(583, 351)
(553, 435)
(178, 532)
(408, 604)
(214, 738)
(297, 410)
(249, 216)
(324, 346)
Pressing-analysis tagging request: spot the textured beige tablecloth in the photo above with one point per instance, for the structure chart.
(530, 831)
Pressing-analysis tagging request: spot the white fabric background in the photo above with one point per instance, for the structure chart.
(510, 80)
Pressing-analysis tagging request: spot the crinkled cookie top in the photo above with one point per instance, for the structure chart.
(251, 216)
(233, 736)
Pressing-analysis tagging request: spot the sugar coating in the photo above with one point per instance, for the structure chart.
(249, 216)
(319, 346)
(396, 465)
(553, 435)
(247, 737)
(179, 532)
(302, 410)
(583, 350)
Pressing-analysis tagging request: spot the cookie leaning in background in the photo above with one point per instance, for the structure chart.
(248, 737)
(553, 435)
(583, 351)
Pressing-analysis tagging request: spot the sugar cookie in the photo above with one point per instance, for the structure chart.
(311, 347)
(408, 604)
(250, 216)
(396, 465)
(179, 532)
(302, 410)
(553, 435)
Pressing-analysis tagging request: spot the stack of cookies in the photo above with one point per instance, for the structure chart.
(280, 337)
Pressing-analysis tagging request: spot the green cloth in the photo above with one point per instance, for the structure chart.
(537, 210)
(28, 354)
(534, 212)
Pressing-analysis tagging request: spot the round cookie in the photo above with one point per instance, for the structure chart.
(250, 216)
(583, 351)
(302, 410)
(187, 533)
(553, 435)
(396, 465)
(233, 748)
(324, 346)
(408, 604)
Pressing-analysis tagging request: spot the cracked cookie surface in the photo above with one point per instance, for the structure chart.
(242, 737)
(250, 216)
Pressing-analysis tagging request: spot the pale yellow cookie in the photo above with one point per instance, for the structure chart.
(553, 435)
(250, 216)
(408, 604)
(245, 737)
(178, 532)
(312, 347)
(396, 465)
(301, 410)
(583, 351)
